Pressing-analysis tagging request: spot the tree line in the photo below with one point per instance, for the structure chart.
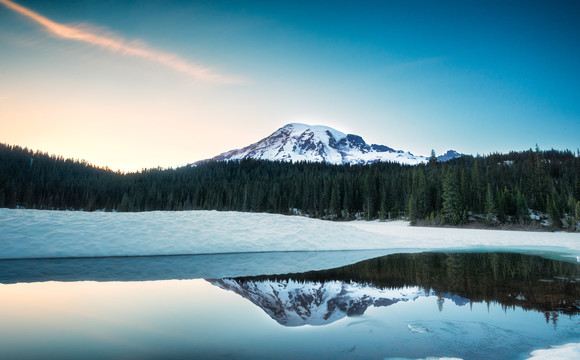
(519, 188)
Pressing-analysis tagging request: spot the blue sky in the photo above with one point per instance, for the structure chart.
(475, 76)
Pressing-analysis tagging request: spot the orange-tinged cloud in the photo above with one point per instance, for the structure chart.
(119, 45)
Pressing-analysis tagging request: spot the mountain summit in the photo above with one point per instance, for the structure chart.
(300, 142)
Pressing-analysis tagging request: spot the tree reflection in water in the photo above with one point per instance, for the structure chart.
(526, 281)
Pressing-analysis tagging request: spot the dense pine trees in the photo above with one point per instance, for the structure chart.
(491, 189)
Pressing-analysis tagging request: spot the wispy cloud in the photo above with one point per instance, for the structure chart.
(114, 43)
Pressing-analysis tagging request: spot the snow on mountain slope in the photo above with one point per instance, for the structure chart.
(300, 142)
(294, 303)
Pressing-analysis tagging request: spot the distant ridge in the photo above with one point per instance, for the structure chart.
(317, 143)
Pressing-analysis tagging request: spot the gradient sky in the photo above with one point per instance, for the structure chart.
(140, 84)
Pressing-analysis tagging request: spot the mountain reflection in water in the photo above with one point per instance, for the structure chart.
(322, 297)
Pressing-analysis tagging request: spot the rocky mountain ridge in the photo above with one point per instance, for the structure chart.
(301, 142)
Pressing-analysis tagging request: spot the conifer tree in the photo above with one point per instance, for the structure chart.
(490, 209)
(124, 205)
(412, 210)
(577, 217)
(477, 186)
(383, 208)
(432, 158)
(553, 212)
(334, 201)
(451, 199)
(522, 211)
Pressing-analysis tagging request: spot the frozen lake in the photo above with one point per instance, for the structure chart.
(59, 234)
(208, 285)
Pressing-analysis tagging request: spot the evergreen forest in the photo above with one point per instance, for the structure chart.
(528, 188)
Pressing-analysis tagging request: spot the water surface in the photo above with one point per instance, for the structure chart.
(466, 305)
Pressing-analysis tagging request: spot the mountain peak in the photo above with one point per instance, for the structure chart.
(297, 142)
(299, 128)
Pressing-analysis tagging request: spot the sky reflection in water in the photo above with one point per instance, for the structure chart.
(177, 318)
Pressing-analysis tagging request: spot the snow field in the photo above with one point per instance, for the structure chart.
(401, 235)
(564, 352)
(49, 234)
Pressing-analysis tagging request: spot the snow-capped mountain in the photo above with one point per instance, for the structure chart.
(300, 142)
(294, 303)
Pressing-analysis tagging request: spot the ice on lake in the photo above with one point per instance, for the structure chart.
(100, 285)
(55, 234)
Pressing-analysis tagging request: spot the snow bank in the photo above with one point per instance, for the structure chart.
(49, 234)
(565, 352)
(42, 234)
(400, 234)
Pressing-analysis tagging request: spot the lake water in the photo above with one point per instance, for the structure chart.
(462, 305)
